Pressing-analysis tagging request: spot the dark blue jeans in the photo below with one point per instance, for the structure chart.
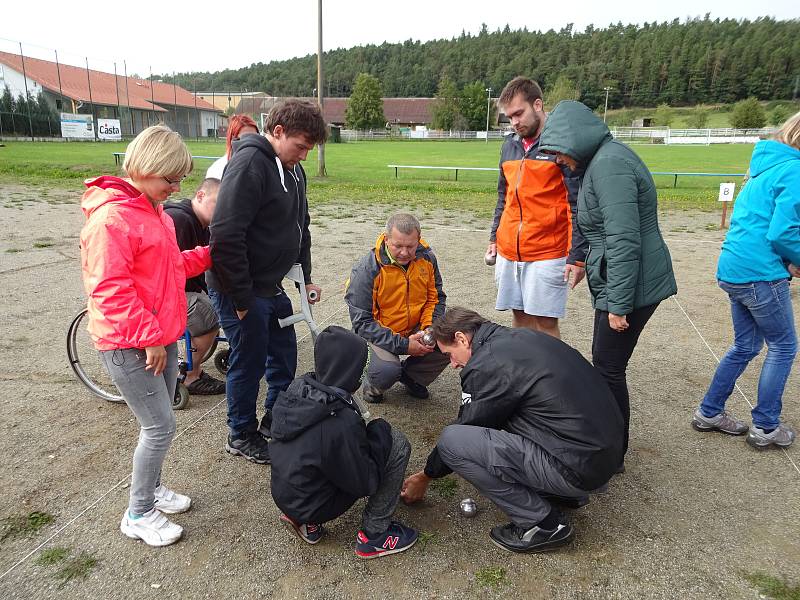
(258, 347)
(761, 311)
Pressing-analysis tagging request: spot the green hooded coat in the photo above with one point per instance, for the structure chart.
(628, 265)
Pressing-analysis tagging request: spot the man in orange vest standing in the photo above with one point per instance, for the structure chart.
(535, 239)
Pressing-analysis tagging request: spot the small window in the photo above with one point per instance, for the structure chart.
(59, 104)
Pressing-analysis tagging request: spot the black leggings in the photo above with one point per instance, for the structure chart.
(611, 351)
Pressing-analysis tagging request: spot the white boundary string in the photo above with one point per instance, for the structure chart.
(126, 478)
(716, 358)
(102, 496)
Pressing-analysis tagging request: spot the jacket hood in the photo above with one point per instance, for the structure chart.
(770, 153)
(305, 403)
(574, 130)
(383, 256)
(107, 188)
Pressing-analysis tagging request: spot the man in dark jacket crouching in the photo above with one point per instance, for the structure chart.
(324, 457)
(537, 425)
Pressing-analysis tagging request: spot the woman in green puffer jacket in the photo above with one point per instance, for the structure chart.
(628, 268)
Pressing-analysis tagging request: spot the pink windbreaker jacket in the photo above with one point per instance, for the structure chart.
(133, 272)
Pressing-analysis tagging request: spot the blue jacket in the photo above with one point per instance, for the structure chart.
(765, 227)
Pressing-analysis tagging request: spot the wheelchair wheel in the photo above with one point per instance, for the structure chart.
(85, 361)
(181, 398)
(221, 360)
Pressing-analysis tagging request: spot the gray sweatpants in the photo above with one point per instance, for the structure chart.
(382, 504)
(385, 368)
(507, 468)
(150, 399)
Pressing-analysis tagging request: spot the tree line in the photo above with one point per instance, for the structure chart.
(697, 61)
(15, 113)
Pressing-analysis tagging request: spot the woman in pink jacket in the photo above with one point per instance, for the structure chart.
(134, 276)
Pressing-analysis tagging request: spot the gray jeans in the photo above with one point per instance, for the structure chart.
(385, 368)
(150, 399)
(507, 468)
(382, 504)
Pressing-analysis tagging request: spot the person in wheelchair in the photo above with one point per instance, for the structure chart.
(191, 218)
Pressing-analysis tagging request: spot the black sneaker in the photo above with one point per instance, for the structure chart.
(516, 539)
(310, 533)
(395, 539)
(251, 446)
(371, 394)
(266, 425)
(206, 385)
(414, 389)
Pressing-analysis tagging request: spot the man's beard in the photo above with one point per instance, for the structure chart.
(532, 129)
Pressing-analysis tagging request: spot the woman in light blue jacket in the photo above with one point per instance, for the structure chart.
(760, 252)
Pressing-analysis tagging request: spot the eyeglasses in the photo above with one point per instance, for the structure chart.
(173, 181)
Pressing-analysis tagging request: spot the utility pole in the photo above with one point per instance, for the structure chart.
(488, 108)
(321, 172)
(605, 110)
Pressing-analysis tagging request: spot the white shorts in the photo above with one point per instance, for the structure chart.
(537, 288)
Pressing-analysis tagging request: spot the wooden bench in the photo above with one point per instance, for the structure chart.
(118, 157)
(456, 169)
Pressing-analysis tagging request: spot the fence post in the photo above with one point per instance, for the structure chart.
(27, 95)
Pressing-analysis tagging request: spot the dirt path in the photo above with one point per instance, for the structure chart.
(692, 515)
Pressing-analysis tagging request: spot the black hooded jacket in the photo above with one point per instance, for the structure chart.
(538, 387)
(324, 457)
(190, 233)
(260, 225)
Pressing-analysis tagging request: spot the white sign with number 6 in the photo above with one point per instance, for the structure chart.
(726, 192)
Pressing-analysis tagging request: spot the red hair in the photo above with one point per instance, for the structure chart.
(235, 126)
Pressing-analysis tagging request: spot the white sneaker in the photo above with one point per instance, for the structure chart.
(153, 528)
(171, 503)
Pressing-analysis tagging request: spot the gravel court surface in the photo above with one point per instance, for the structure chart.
(692, 514)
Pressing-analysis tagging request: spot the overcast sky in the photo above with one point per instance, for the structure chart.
(184, 36)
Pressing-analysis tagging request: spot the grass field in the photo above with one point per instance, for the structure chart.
(357, 172)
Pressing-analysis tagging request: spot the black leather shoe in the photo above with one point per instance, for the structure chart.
(414, 389)
(514, 538)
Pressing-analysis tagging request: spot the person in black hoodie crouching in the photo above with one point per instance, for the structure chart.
(324, 457)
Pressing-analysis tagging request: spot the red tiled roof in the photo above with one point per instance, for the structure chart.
(75, 85)
(396, 110)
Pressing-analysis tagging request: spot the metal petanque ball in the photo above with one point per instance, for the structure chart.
(468, 508)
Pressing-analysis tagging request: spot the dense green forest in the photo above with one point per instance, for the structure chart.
(679, 63)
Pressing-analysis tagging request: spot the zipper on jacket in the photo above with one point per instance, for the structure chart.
(519, 202)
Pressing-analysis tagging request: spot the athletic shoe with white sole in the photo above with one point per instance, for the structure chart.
(170, 502)
(397, 538)
(782, 436)
(310, 533)
(153, 528)
(722, 422)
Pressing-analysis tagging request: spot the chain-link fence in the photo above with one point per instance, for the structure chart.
(48, 93)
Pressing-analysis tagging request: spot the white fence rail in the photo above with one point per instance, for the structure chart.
(630, 135)
(665, 135)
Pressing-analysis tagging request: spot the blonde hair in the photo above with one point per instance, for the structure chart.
(789, 133)
(157, 151)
